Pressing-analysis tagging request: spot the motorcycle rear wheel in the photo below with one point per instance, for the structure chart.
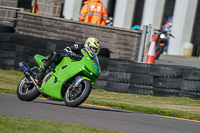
(75, 96)
(26, 91)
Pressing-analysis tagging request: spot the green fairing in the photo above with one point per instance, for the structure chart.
(67, 69)
(39, 59)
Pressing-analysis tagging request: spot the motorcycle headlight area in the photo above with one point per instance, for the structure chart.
(162, 36)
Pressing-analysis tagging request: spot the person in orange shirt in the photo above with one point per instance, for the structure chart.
(94, 12)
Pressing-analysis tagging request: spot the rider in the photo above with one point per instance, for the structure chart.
(167, 28)
(92, 45)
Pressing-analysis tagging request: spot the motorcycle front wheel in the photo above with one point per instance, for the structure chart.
(74, 96)
(159, 50)
(26, 91)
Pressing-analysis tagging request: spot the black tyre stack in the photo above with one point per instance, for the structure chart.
(6, 28)
(15, 48)
(125, 76)
(104, 53)
(118, 77)
(169, 79)
(140, 79)
(157, 79)
(27, 47)
(103, 79)
(166, 80)
(114, 76)
(7, 52)
(190, 85)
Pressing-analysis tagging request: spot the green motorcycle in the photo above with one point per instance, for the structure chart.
(70, 81)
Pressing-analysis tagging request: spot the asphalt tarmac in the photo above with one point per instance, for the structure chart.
(179, 60)
(92, 116)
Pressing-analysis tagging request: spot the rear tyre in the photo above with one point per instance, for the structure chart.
(26, 91)
(74, 96)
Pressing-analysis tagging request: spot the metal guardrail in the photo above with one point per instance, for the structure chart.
(12, 17)
(11, 8)
(7, 19)
(142, 43)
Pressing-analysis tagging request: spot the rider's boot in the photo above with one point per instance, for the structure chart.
(48, 62)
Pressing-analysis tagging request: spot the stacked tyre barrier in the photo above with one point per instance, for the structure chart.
(125, 76)
(190, 85)
(157, 79)
(15, 48)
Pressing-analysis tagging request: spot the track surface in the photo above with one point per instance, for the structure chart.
(105, 118)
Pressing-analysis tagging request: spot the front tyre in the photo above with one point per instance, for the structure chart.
(74, 96)
(159, 51)
(26, 91)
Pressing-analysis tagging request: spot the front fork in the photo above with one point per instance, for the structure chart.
(78, 81)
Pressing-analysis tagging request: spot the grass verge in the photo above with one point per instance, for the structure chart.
(10, 124)
(184, 108)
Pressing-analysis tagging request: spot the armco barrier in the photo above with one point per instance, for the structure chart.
(117, 74)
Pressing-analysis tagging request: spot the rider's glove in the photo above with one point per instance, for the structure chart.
(68, 50)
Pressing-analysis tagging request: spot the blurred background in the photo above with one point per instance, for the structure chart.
(126, 14)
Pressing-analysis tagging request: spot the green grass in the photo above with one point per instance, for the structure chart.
(180, 107)
(10, 124)
(10, 79)
(8, 91)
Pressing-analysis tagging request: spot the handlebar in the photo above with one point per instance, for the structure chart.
(72, 54)
(160, 31)
(171, 35)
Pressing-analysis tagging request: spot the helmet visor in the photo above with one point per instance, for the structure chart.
(95, 50)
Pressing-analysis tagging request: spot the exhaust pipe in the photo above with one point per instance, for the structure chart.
(28, 73)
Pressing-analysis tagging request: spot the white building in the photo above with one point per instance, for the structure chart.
(126, 13)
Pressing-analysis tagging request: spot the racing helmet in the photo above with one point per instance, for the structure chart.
(92, 45)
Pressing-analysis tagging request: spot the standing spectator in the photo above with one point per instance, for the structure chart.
(167, 27)
(94, 12)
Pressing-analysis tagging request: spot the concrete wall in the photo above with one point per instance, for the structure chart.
(122, 43)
